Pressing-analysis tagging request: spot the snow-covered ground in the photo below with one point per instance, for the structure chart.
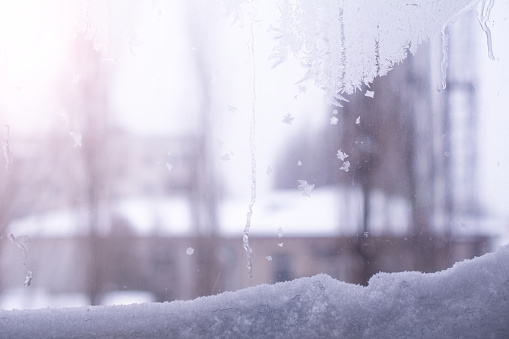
(469, 300)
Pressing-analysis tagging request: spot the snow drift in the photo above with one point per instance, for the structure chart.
(471, 299)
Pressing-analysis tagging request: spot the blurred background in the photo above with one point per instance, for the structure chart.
(126, 167)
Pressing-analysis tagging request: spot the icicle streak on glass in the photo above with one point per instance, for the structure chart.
(483, 15)
(252, 146)
(445, 56)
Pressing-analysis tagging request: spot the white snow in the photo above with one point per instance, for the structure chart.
(469, 300)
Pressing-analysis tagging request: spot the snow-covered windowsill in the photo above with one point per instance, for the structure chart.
(470, 299)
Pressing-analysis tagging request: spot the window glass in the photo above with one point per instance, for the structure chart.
(159, 151)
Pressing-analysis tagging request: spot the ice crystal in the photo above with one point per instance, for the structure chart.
(190, 251)
(334, 121)
(370, 94)
(358, 121)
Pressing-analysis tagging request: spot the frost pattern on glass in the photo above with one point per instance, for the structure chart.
(299, 163)
(269, 258)
(334, 121)
(269, 170)
(483, 15)
(190, 251)
(344, 45)
(370, 94)
(305, 187)
(358, 121)
(280, 244)
(7, 149)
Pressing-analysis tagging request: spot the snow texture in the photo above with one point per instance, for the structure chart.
(469, 300)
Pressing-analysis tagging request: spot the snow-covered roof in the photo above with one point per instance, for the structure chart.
(327, 211)
(323, 213)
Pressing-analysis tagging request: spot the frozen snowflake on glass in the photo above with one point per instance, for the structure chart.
(279, 232)
(169, 166)
(305, 187)
(346, 166)
(334, 121)
(269, 170)
(227, 156)
(76, 78)
(76, 136)
(269, 258)
(232, 109)
(341, 155)
(28, 278)
(288, 119)
(190, 251)
(370, 94)
(358, 121)
(299, 163)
